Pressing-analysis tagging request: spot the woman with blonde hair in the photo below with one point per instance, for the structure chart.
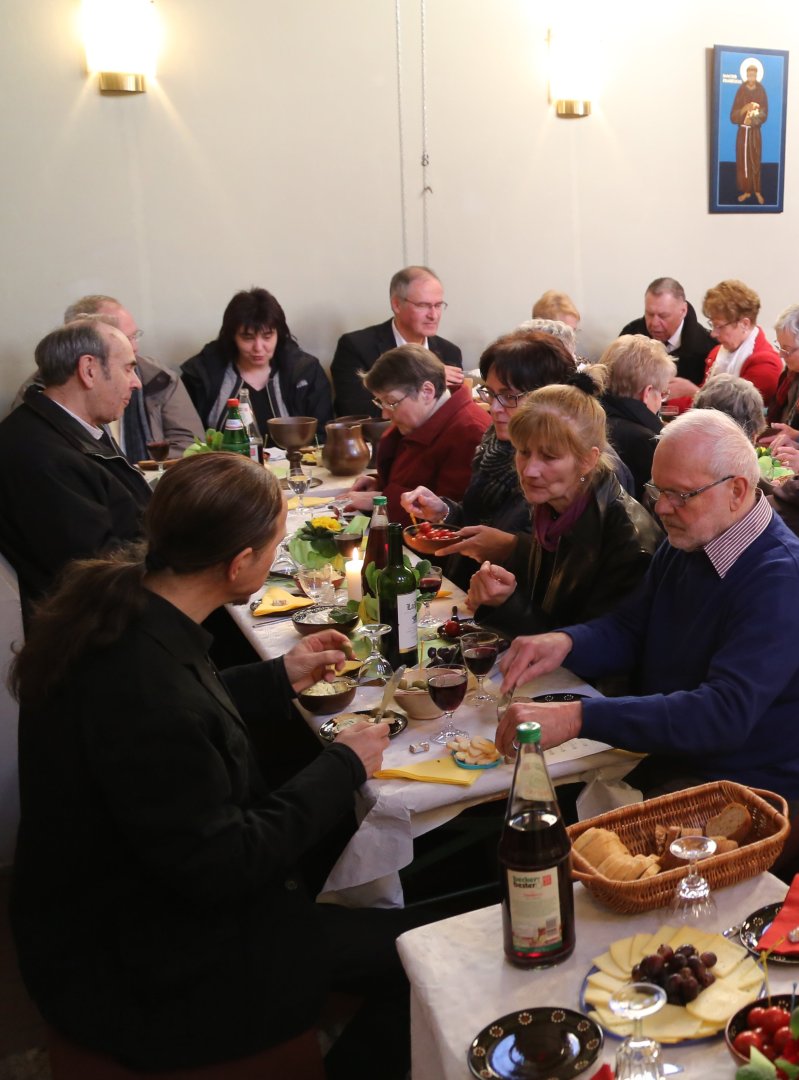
(558, 306)
(591, 541)
(639, 370)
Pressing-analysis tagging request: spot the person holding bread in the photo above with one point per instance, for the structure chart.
(591, 542)
(703, 637)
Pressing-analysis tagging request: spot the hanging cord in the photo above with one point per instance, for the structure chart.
(426, 189)
(403, 207)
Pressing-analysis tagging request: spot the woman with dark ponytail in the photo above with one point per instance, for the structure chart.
(591, 542)
(160, 905)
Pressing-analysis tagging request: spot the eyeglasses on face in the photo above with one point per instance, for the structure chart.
(388, 406)
(420, 305)
(137, 335)
(680, 498)
(785, 353)
(714, 327)
(507, 401)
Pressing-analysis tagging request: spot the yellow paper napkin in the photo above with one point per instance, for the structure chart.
(438, 771)
(309, 500)
(277, 601)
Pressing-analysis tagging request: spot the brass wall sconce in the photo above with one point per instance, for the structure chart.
(569, 76)
(121, 42)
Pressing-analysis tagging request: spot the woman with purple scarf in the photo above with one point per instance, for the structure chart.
(591, 541)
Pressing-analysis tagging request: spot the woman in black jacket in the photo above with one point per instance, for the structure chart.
(255, 349)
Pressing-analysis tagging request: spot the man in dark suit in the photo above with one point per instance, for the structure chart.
(417, 300)
(668, 317)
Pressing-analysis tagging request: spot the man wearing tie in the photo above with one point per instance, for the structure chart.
(668, 317)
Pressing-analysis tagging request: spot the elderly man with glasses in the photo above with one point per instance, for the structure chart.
(434, 431)
(706, 637)
(417, 303)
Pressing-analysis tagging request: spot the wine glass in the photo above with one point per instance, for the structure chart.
(447, 688)
(429, 584)
(299, 482)
(479, 651)
(375, 670)
(638, 1058)
(284, 563)
(314, 579)
(693, 904)
(158, 450)
(347, 543)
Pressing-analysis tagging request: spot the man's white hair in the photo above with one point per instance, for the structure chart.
(721, 443)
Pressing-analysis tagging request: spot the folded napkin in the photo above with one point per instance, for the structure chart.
(438, 771)
(776, 937)
(309, 500)
(279, 601)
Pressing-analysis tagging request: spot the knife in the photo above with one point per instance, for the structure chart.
(388, 693)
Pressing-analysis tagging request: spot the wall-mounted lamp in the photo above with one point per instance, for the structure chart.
(121, 41)
(570, 75)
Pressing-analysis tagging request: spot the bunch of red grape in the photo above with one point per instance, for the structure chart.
(683, 972)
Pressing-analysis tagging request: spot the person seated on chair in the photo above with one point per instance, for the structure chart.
(183, 929)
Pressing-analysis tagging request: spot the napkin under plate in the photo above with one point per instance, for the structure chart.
(437, 771)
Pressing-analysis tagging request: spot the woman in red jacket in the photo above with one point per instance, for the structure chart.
(743, 349)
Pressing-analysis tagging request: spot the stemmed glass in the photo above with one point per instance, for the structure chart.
(429, 584)
(313, 580)
(693, 904)
(447, 688)
(375, 670)
(158, 450)
(638, 1058)
(479, 651)
(284, 563)
(299, 482)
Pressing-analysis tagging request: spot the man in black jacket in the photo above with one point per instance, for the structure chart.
(66, 489)
(668, 317)
(417, 300)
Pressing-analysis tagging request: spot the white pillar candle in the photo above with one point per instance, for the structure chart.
(353, 571)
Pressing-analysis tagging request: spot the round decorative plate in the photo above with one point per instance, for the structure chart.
(559, 697)
(755, 925)
(535, 1044)
(397, 723)
(488, 765)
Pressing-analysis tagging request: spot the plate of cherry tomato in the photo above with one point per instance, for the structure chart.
(765, 1024)
(427, 538)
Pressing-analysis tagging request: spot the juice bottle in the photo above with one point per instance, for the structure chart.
(377, 542)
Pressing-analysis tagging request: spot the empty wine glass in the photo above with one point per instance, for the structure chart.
(429, 584)
(299, 482)
(284, 562)
(638, 1058)
(479, 651)
(693, 904)
(447, 688)
(375, 670)
(313, 580)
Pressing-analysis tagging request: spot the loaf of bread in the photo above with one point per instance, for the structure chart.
(605, 851)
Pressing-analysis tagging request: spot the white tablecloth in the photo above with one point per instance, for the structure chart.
(460, 980)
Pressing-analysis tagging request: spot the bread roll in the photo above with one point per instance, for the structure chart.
(734, 822)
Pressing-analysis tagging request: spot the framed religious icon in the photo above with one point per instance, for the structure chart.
(747, 150)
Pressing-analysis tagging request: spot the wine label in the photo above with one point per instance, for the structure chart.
(406, 622)
(534, 909)
(532, 780)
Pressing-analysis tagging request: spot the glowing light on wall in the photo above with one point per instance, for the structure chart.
(121, 38)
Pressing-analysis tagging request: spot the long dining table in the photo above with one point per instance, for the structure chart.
(392, 812)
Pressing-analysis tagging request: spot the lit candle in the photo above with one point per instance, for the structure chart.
(353, 571)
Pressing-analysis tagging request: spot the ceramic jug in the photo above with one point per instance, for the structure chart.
(345, 453)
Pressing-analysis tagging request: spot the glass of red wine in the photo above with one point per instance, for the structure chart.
(429, 584)
(447, 688)
(158, 449)
(479, 651)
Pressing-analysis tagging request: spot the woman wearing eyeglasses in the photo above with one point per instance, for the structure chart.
(743, 349)
(591, 541)
(493, 510)
(434, 431)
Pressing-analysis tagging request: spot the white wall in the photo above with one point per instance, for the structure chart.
(268, 154)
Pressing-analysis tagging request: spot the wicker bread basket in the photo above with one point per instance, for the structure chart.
(635, 826)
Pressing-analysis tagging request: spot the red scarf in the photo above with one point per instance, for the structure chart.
(549, 526)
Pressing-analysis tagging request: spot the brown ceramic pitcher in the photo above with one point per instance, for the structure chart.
(345, 453)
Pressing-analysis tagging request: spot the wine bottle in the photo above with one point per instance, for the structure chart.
(234, 436)
(376, 543)
(248, 419)
(396, 597)
(534, 851)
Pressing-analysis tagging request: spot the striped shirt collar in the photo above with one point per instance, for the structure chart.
(733, 542)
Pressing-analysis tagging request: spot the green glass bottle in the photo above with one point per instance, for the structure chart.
(234, 434)
(396, 598)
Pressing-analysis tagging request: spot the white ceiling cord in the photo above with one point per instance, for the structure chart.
(427, 190)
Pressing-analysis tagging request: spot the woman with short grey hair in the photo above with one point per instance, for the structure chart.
(737, 398)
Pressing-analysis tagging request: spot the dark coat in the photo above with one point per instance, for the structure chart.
(598, 562)
(695, 345)
(157, 908)
(304, 387)
(632, 428)
(358, 350)
(63, 494)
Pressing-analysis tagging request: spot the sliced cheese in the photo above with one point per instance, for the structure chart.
(622, 1028)
(746, 976)
(728, 955)
(660, 937)
(604, 981)
(640, 948)
(717, 1004)
(620, 952)
(595, 996)
(671, 1022)
(606, 963)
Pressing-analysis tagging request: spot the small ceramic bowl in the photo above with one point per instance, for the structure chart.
(329, 703)
(416, 541)
(416, 703)
(310, 620)
(737, 1022)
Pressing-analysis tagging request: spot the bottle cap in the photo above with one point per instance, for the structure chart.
(528, 732)
(232, 401)
(380, 500)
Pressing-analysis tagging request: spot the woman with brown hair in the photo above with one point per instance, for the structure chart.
(591, 541)
(162, 900)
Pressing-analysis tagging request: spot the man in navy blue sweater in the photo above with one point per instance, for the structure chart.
(707, 639)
